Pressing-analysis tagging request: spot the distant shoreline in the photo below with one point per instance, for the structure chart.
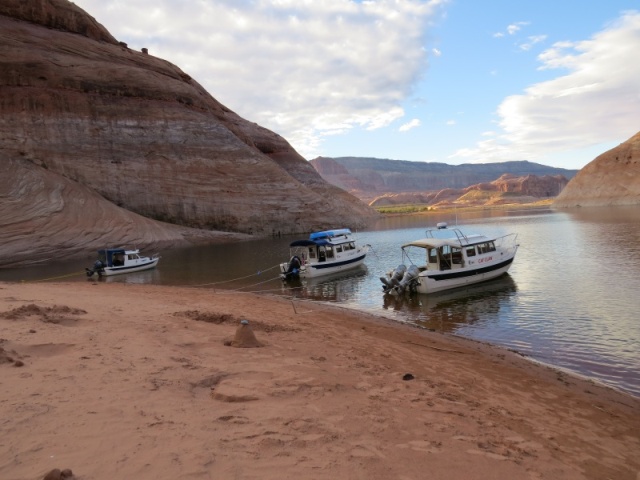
(421, 209)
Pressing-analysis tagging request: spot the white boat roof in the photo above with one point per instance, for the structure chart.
(451, 241)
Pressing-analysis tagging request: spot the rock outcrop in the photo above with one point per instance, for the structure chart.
(45, 216)
(89, 118)
(612, 178)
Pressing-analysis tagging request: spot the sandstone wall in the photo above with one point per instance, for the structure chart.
(613, 178)
(144, 136)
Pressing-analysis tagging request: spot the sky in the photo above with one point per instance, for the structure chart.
(451, 81)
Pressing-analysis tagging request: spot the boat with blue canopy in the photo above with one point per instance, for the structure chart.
(323, 253)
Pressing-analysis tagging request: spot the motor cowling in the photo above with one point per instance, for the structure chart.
(393, 279)
(409, 280)
(98, 267)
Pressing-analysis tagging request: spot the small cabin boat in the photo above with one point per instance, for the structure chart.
(324, 253)
(447, 259)
(115, 261)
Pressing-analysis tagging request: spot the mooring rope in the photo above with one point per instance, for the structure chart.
(260, 272)
(55, 278)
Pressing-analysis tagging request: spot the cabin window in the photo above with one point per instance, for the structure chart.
(456, 256)
(329, 251)
(445, 257)
(322, 254)
(471, 251)
(339, 249)
(352, 246)
(432, 255)
(486, 247)
(312, 253)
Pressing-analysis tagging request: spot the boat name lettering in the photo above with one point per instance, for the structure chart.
(487, 259)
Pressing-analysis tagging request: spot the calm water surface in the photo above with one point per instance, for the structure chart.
(570, 299)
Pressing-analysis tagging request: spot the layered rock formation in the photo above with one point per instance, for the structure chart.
(89, 118)
(507, 189)
(612, 178)
(368, 178)
(45, 216)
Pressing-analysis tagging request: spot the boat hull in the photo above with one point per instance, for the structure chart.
(313, 270)
(431, 282)
(108, 271)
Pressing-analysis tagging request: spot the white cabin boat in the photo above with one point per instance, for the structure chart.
(115, 261)
(324, 253)
(447, 259)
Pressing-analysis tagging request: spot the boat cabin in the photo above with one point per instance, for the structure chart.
(323, 248)
(117, 257)
(450, 253)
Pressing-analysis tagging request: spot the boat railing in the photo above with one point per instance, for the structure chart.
(508, 242)
(462, 238)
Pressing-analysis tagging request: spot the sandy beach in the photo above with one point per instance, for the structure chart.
(127, 381)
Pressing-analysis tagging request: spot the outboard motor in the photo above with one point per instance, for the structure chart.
(408, 281)
(394, 278)
(98, 267)
(294, 267)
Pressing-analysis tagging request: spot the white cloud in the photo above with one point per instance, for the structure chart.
(409, 125)
(436, 52)
(531, 41)
(597, 100)
(515, 27)
(303, 69)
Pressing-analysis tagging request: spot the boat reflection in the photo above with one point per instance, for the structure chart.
(331, 288)
(448, 311)
(144, 277)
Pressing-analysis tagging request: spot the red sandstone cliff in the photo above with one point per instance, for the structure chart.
(612, 178)
(85, 119)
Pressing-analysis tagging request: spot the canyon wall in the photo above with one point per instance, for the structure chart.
(82, 112)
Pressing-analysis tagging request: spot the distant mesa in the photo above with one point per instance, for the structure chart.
(381, 182)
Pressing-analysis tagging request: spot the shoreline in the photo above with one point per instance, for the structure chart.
(142, 385)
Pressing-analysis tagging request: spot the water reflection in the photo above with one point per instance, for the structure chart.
(329, 288)
(448, 311)
(145, 276)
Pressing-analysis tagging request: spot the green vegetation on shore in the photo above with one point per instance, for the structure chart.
(411, 209)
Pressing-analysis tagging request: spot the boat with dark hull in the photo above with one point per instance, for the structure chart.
(447, 259)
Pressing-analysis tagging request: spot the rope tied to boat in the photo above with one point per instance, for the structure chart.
(260, 272)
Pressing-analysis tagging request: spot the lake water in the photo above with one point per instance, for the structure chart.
(570, 299)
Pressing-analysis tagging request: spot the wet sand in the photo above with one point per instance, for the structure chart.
(137, 381)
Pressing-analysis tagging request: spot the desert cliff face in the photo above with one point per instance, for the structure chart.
(133, 131)
(613, 178)
(45, 216)
(508, 189)
(375, 179)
